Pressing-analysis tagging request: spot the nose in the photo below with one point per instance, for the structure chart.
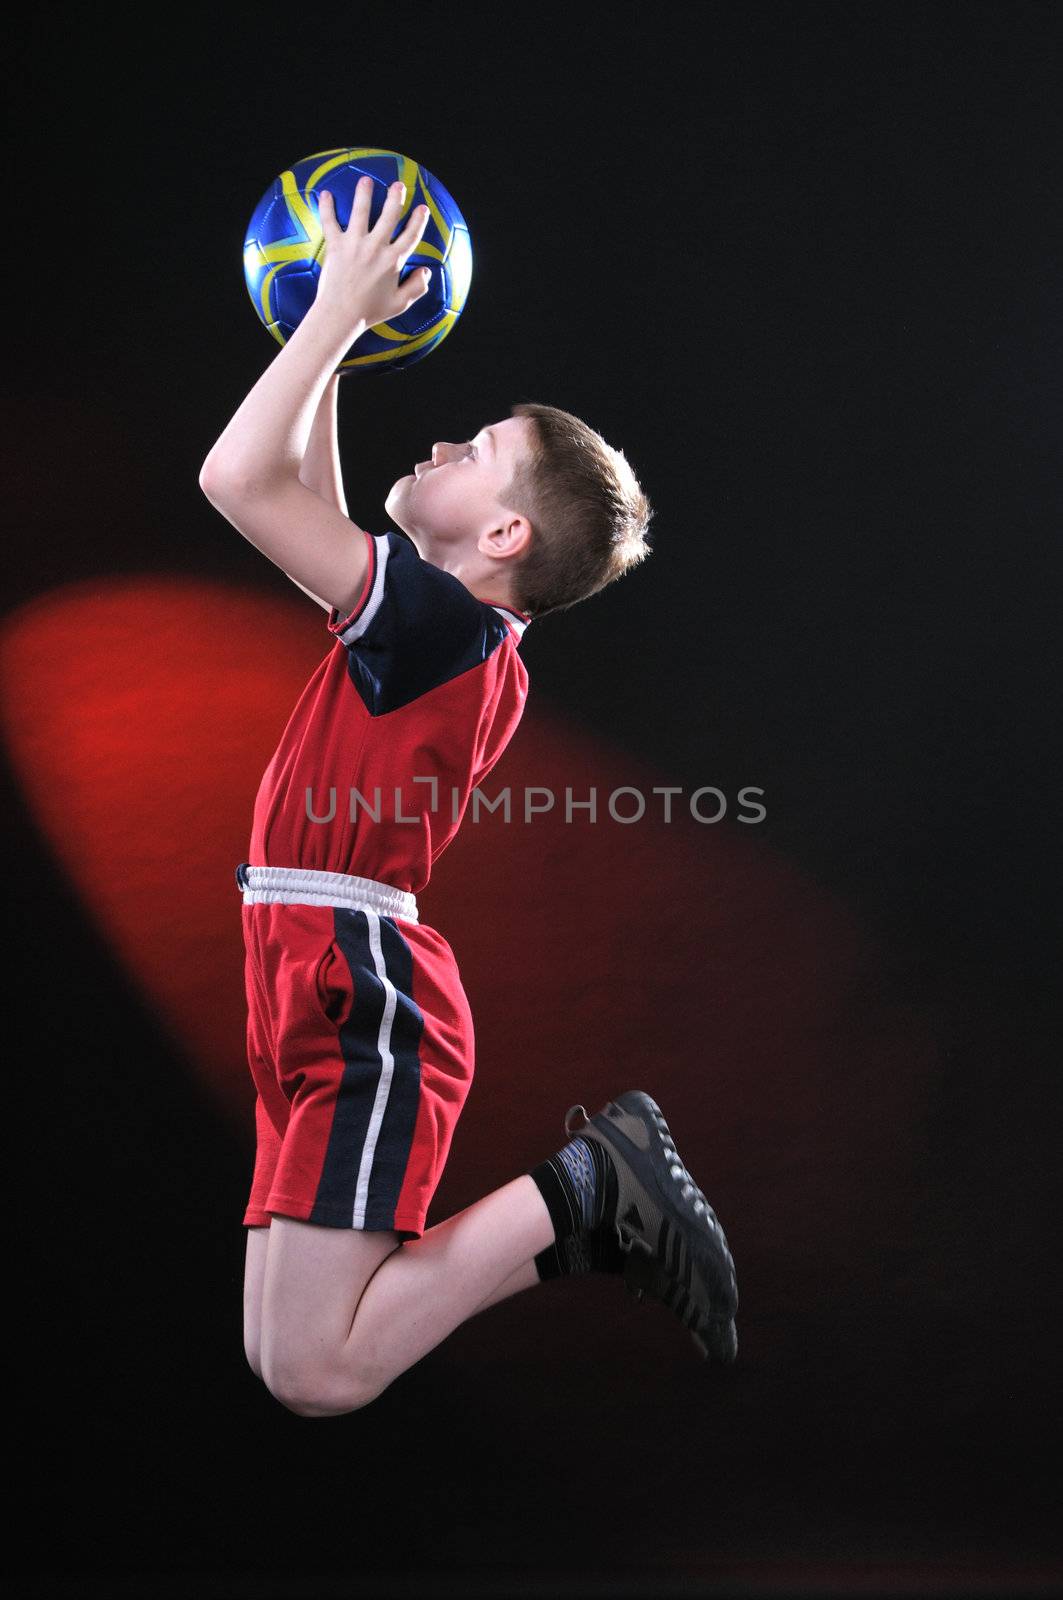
(445, 451)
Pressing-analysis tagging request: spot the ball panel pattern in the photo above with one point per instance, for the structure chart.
(283, 244)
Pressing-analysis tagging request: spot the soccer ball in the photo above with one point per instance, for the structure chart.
(284, 243)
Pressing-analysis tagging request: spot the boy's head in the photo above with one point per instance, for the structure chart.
(535, 512)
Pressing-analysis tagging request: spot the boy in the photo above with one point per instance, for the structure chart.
(360, 1039)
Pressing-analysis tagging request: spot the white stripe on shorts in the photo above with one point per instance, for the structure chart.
(387, 1073)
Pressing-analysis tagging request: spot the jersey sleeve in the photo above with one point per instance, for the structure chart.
(413, 627)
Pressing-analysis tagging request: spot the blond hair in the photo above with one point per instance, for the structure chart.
(588, 513)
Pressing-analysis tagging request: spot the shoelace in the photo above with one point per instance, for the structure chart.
(687, 1185)
(675, 1166)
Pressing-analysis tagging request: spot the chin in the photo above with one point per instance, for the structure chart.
(396, 498)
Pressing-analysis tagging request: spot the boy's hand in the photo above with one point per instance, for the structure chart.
(359, 279)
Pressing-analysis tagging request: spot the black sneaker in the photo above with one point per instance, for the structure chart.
(674, 1248)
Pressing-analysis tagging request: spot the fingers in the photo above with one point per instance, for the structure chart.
(326, 207)
(396, 199)
(408, 240)
(417, 221)
(418, 285)
(385, 225)
(363, 195)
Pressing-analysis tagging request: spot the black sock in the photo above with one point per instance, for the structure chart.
(579, 1187)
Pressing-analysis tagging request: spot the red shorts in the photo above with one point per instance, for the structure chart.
(360, 1043)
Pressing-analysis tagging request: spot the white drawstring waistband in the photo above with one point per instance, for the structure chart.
(305, 887)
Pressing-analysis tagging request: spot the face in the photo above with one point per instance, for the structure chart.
(450, 505)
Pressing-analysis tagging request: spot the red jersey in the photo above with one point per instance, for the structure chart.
(409, 711)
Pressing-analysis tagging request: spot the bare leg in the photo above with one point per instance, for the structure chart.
(433, 1284)
(353, 1341)
(315, 1276)
(254, 1274)
(526, 1276)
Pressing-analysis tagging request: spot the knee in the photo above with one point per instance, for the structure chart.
(254, 1358)
(310, 1393)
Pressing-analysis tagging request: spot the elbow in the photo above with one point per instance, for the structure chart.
(208, 476)
(221, 482)
(216, 482)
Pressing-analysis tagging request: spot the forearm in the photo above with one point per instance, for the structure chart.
(270, 435)
(321, 470)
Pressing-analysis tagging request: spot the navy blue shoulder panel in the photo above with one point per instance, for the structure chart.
(419, 628)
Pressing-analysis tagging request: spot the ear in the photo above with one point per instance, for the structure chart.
(516, 534)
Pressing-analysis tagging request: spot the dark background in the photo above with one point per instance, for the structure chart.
(802, 264)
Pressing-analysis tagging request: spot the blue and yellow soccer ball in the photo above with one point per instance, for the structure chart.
(284, 244)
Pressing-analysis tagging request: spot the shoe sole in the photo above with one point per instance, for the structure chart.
(676, 1251)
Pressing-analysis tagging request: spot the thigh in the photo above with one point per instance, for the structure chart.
(254, 1274)
(314, 1278)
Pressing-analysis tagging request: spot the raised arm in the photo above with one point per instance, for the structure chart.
(253, 473)
(295, 517)
(321, 469)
